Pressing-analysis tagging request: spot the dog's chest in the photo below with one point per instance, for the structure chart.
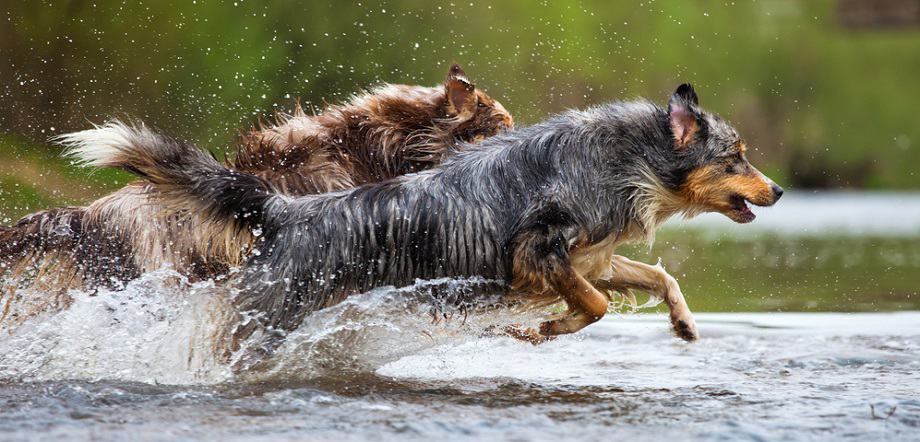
(592, 261)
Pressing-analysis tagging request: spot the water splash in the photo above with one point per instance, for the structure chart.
(158, 329)
(162, 329)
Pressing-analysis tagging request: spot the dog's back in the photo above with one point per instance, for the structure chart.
(391, 233)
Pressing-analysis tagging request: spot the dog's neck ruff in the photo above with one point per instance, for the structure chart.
(653, 204)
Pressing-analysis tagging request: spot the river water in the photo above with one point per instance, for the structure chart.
(139, 364)
(821, 212)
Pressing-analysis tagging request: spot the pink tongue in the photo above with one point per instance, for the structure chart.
(746, 211)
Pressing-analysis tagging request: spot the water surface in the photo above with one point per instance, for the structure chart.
(751, 377)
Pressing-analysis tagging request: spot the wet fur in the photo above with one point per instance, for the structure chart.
(542, 209)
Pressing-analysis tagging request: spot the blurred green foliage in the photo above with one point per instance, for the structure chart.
(783, 272)
(33, 178)
(823, 105)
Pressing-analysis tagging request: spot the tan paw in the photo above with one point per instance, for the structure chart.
(685, 328)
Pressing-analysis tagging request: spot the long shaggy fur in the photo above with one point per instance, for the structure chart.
(392, 130)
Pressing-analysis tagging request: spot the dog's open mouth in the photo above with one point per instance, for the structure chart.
(740, 212)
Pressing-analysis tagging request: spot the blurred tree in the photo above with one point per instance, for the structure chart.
(878, 13)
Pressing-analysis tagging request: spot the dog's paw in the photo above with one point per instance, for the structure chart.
(686, 329)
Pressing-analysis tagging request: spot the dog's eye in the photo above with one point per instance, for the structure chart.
(733, 162)
(482, 105)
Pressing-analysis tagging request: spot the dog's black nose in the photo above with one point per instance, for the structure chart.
(777, 192)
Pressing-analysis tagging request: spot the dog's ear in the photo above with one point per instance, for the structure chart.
(683, 108)
(461, 93)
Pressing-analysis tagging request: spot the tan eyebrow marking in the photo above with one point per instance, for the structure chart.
(742, 147)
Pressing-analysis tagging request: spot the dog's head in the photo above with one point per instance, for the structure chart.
(720, 178)
(475, 115)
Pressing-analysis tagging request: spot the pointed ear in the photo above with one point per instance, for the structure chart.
(461, 93)
(685, 116)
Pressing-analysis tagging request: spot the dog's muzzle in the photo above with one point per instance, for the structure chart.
(777, 192)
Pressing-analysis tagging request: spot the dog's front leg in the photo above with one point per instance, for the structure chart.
(629, 274)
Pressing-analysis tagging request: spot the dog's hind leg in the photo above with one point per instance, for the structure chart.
(541, 260)
(628, 274)
(586, 304)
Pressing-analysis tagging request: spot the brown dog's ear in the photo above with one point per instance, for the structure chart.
(461, 93)
(685, 117)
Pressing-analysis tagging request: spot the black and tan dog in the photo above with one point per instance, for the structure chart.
(541, 209)
(389, 131)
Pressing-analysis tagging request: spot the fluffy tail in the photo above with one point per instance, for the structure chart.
(184, 176)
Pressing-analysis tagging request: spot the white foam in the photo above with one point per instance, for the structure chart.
(161, 329)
